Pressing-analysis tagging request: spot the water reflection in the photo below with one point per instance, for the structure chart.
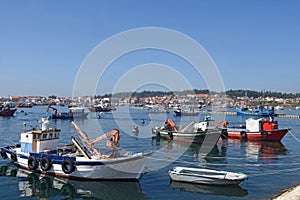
(41, 186)
(261, 150)
(231, 191)
(191, 149)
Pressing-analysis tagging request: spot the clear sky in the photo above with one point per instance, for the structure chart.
(254, 44)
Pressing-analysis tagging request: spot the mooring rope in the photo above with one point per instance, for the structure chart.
(290, 132)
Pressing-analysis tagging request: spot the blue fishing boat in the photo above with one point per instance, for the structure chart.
(177, 112)
(74, 112)
(258, 111)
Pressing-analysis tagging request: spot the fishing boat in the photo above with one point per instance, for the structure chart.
(25, 105)
(177, 112)
(38, 151)
(58, 115)
(206, 176)
(103, 105)
(99, 108)
(258, 129)
(62, 115)
(256, 111)
(74, 112)
(193, 132)
(7, 111)
(78, 112)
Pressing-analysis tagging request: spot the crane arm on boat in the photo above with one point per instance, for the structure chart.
(172, 124)
(114, 139)
(223, 123)
(113, 142)
(54, 109)
(85, 140)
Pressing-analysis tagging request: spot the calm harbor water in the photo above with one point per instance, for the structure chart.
(271, 166)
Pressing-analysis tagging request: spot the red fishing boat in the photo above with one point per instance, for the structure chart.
(7, 111)
(258, 129)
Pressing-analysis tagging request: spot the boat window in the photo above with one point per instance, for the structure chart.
(44, 136)
(39, 136)
(50, 135)
(34, 136)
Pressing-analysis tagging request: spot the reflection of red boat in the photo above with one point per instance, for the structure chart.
(265, 150)
(260, 129)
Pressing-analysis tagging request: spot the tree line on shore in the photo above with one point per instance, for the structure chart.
(230, 93)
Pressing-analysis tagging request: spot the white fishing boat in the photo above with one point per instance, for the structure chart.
(206, 176)
(78, 112)
(38, 151)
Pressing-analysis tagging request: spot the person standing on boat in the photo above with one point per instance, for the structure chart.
(224, 133)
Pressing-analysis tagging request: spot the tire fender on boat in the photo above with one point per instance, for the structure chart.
(3, 154)
(32, 162)
(264, 133)
(13, 157)
(45, 163)
(243, 135)
(170, 135)
(68, 166)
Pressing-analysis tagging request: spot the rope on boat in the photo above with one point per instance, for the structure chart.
(262, 173)
(177, 160)
(290, 132)
(254, 164)
(233, 158)
(276, 172)
(244, 165)
(9, 142)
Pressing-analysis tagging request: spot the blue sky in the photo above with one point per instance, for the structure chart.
(254, 44)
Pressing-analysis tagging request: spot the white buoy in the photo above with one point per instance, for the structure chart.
(135, 130)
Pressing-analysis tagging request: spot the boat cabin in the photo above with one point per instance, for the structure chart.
(256, 125)
(39, 140)
(201, 126)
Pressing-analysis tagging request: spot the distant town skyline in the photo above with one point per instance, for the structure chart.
(255, 45)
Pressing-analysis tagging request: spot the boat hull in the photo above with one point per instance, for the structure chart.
(99, 109)
(69, 116)
(266, 113)
(271, 135)
(7, 112)
(195, 137)
(121, 168)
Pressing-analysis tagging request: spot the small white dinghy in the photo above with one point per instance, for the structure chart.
(206, 176)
